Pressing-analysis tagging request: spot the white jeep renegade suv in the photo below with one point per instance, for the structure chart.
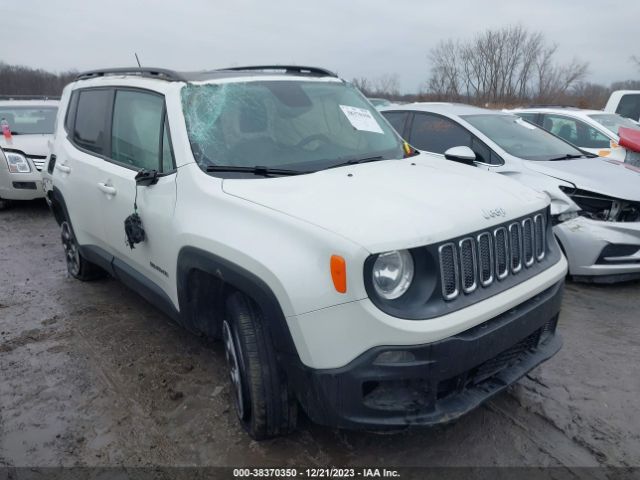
(274, 207)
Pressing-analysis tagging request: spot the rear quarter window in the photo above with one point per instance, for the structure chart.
(70, 116)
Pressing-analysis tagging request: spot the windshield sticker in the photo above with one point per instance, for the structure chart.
(524, 123)
(361, 119)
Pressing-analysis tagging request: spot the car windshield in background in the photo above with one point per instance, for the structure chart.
(613, 122)
(29, 120)
(521, 139)
(296, 125)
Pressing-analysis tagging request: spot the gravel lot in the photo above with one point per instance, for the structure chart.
(91, 374)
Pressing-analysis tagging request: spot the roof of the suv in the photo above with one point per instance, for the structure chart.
(231, 72)
(442, 108)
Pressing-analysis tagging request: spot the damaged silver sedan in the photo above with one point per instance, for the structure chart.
(595, 202)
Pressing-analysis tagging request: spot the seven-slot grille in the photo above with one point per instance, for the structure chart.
(491, 255)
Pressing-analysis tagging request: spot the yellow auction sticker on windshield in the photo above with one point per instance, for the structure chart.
(361, 119)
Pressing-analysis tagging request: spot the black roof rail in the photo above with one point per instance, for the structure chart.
(158, 73)
(29, 97)
(287, 69)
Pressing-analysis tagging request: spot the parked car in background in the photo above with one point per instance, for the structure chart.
(605, 134)
(595, 203)
(625, 103)
(27, 126)
(302, 232)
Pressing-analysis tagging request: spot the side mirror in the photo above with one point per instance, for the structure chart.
(461, 155)
(146, 177)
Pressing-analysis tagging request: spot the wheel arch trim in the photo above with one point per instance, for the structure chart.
(238, 278)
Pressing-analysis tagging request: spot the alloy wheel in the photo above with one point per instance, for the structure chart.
(70, 249)
(233, 364)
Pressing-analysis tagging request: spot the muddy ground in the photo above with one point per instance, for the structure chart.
(91, 374)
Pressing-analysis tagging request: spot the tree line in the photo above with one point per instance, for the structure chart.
(500, 67)
(19, 80)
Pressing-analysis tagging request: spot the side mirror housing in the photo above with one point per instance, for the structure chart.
(146, 177)
(461, 155)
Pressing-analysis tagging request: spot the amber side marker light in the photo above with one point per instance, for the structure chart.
(339, 273)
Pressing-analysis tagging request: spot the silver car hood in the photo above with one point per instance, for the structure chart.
(31, 145)
(595, 175)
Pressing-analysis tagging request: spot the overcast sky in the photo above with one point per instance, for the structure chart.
(355, 38)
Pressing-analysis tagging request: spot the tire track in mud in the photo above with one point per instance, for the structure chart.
(129, 438)
(546, 435)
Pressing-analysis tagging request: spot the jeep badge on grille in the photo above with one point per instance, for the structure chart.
(493, 213)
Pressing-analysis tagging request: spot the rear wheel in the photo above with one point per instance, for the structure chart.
(77, 266)
(263, 401)
(4, 204)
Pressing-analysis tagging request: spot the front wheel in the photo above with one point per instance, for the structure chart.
(263, 401)
(77, 266)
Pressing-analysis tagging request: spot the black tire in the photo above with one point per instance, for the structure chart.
(77, 266)
(4, 204)
(263, 401)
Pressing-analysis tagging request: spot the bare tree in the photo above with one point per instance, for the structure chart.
(387, 86)
(505, 65)
(19, 80)
(445, 80)
(588, 95)
(363, 84)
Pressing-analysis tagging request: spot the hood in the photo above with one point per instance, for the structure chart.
(595, 175)
(395, 203)
(30, 145)
(629, 138)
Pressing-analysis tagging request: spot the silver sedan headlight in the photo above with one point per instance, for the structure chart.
(17, 162)
(393, 273)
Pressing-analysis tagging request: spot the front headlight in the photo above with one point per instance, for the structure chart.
(393, 273)
(17, 162)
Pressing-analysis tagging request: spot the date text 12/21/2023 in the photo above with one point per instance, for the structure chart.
(315, 473)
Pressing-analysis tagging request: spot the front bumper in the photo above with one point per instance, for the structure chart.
(21, 186)
(436, 382)
(586, 243)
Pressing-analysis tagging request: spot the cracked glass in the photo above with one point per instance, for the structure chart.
(299, 125)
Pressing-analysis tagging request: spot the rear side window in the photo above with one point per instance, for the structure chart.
(136, 132)
(629, 106)
(575, 132)
(71, 112)
(397, 120)
(437, 134)
(91, 120)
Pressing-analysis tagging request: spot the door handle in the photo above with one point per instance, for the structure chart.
(107, 189)
(63, 168)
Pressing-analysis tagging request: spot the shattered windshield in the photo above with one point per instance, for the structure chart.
(299, 125)
(522, 139)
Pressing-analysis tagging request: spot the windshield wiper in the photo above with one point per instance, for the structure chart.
(256, 170)
(568, 156)
(355, 161)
